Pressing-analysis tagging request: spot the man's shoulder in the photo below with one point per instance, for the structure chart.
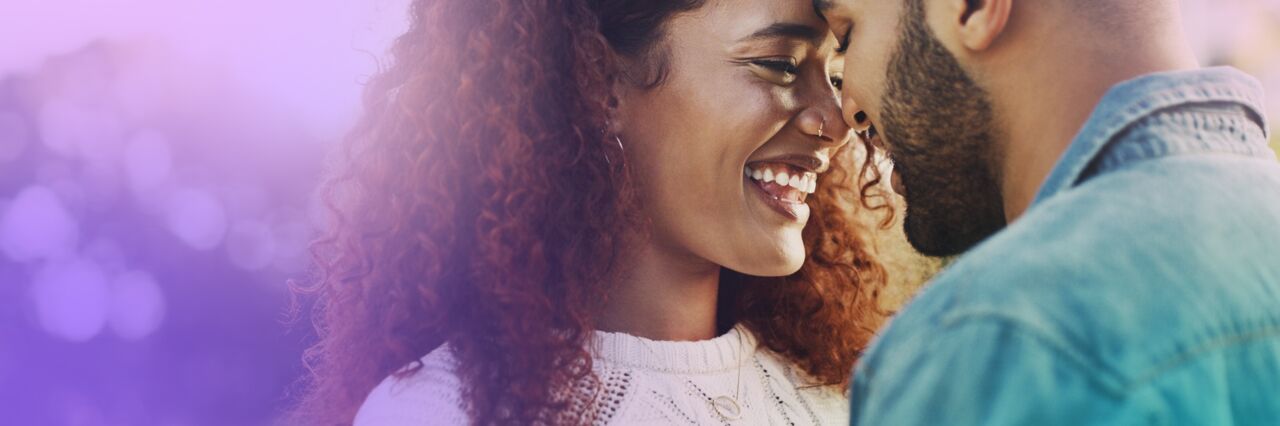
(1170, 219)
(1127, 269)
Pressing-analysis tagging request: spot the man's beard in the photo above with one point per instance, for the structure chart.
(939, 125)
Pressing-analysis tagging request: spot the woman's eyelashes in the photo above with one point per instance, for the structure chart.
(786, 71)
(780, 71)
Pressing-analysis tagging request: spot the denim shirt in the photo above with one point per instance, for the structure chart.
(1142, 286)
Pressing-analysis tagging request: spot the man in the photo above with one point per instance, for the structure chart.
(1118, 204)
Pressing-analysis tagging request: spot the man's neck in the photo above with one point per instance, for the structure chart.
(1052, 97)
(664, 295)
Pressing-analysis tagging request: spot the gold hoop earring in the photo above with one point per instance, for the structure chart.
(620, 149)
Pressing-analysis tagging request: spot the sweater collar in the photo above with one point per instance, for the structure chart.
(723, 352)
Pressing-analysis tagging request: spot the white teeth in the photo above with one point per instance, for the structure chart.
(806, 182)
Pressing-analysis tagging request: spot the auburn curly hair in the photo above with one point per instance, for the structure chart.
(473, 204)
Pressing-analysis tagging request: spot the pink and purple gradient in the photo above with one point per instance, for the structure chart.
(157, 165)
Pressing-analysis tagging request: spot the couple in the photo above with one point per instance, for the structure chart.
(641, 212)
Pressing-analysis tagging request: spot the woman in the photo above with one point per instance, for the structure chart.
(596, 211)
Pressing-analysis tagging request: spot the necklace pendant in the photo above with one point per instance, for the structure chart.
(726, 407)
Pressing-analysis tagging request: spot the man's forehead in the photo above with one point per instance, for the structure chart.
(823, 7)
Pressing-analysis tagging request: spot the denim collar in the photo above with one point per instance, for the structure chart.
(1130, 101)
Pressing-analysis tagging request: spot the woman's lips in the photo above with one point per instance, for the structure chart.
(787, 201)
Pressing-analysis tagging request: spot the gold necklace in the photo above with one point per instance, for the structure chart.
(725, 406)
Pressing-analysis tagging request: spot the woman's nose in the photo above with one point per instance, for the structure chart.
(824, 122)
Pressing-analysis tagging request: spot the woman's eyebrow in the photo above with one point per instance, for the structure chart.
(788, 30)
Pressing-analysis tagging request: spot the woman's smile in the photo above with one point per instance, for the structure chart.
(783, 187)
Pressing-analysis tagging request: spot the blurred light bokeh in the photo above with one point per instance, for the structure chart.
(157, 167)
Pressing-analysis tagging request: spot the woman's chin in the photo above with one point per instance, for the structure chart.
(785, 259)
(780, 270)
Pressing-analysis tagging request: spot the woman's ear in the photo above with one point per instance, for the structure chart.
(618, 106)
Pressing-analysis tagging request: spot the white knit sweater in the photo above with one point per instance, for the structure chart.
(645, 382)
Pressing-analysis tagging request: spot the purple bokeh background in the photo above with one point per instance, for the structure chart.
(146, 242)
(158, 161)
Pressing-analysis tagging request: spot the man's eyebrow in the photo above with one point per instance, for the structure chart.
(788, 30)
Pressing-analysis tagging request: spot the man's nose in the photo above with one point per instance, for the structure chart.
(855, 116)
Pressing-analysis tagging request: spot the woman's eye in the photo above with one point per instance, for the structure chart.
(782, 66)
(782, 72)
(837, 82)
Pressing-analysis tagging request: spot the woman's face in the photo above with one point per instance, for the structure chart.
(729, 145)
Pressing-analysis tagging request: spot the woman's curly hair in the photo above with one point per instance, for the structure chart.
(481, 202)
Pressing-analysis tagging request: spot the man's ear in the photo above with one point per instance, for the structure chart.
(977, 23)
